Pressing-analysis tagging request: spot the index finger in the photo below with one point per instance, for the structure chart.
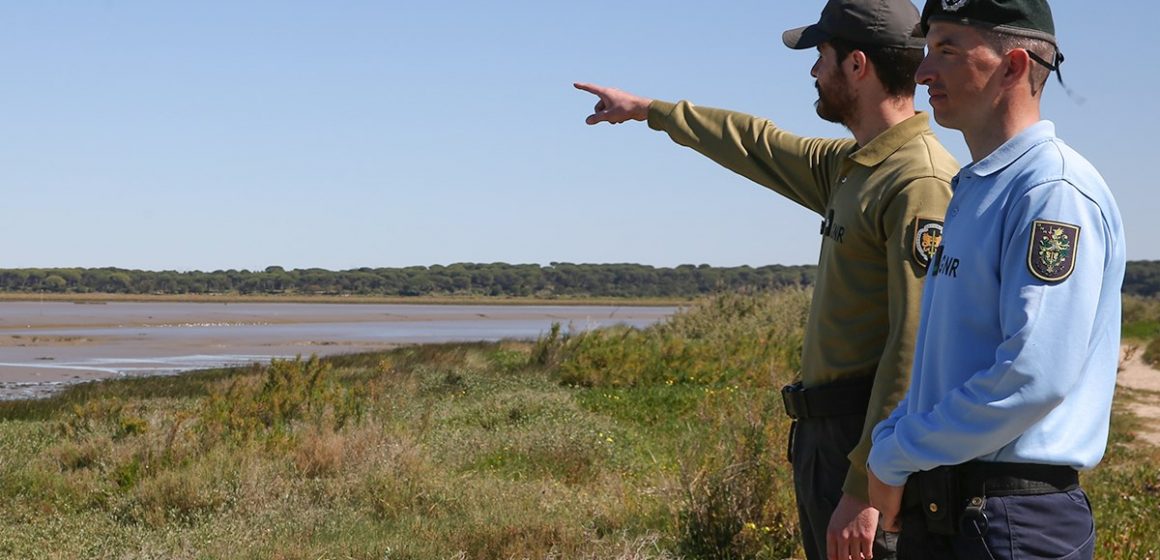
(591, 88)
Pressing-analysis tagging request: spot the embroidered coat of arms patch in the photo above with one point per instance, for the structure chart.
(1052, 250)
(928, 234)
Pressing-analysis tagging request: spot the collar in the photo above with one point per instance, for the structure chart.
(888, 142)
(1013, 149)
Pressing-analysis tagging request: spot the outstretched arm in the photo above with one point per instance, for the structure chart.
(801, 169)
(615, 106)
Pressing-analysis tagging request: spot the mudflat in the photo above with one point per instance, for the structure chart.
(44, 345)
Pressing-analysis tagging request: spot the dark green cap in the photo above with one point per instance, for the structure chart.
(1027, 18)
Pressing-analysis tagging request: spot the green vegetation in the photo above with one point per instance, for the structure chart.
(1141, 317)
(460, 280)
(1142, 278)
(644, 444)
(1142, 326)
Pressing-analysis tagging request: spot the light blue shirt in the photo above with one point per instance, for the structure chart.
(1010, 366)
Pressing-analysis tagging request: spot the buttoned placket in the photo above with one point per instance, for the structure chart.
(956, 196)
(844, 173)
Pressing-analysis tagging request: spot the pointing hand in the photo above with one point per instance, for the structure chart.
(615, 106)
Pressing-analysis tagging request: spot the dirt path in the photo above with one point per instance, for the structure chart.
(1135, 374)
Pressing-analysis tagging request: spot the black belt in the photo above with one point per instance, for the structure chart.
(946, 494)
(980, 478)
(991, 479)
(840, 398)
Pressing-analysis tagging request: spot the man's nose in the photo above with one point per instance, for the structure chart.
(925, 73)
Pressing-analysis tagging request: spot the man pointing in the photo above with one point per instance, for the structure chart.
(881, 197)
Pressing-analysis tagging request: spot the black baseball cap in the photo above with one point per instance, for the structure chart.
(882, 23)
(1026, 18)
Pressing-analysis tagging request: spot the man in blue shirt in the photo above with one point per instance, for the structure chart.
(1016, 355)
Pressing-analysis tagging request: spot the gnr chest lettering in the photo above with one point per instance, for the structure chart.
(832, 229)
(944, 265)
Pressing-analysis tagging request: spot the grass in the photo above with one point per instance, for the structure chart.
(660, 443)
(1142, 326)
(1141, 318)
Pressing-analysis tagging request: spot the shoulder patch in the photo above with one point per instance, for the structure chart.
(928, 233)
(1052, 249)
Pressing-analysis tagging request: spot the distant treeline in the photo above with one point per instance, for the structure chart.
(466, 279)
(1142, 278)
(495, 279)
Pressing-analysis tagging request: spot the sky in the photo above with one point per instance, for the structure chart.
(216, 135)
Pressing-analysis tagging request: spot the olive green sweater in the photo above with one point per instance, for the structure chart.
(882, 206)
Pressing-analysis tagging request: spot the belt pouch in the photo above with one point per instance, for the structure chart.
(941, 503)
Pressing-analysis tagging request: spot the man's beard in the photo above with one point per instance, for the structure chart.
(836, 102)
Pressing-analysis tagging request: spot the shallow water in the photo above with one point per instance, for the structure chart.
(45, 345)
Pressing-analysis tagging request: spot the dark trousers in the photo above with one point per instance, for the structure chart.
(1057, 525)
(818, 453)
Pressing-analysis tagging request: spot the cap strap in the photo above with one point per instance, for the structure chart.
(1051, 67)
(1055, 68)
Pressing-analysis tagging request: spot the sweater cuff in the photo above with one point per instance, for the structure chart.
(857, 482)
(658, 113)
(888, 462)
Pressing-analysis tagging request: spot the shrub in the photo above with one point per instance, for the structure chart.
(174, 496)
(1151, 355)
(75, 456)
(719, 340)
(729, 508)
(1141, 317)
(111, 416)
(548, 348)
(288, 392)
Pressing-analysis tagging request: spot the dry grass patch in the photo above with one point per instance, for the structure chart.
(320, 453)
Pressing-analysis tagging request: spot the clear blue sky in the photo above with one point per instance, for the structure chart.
(222, 134)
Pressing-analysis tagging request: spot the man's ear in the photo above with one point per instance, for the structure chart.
(857, 65)
(1018, 66)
